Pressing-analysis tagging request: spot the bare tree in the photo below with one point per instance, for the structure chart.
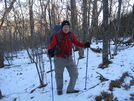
(2, 21)
(74, 22)
(6, 13)
(35, 54)
(74, 16)
(49, 15)
(84, 28)
(1, 58)
(105, 32)
(1, 96)
(85, 23)
(31, 17)
(53, 17)
(94, 22)
(94, 15)
(133, 22)
(89, 22)
(117, 26)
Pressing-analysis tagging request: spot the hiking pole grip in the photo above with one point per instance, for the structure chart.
(50, 57)
(86, 70)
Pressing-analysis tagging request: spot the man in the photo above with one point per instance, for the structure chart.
(64, 59)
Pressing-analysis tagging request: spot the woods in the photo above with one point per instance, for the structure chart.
(34, 20)
(28, 25)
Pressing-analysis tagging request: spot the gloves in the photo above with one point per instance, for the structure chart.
(50, 52)
(87, 44)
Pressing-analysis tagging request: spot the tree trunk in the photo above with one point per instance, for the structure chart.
(74, 23)
(1, 24)
(133, 22)
(84, 28)
(53, 13)
(94, 22)
(6, 13)
(105, 32)
(95, 14)
(117, 26)
(84, 23)
(74, 20)
(31, 17)
(89, 22)
(1, 58)
(1, 94)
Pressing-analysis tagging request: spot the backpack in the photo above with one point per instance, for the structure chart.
(57, 48)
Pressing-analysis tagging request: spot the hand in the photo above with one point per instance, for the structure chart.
(87, 44)
(50, 52)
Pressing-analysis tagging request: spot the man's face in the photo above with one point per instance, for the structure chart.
(65, 28)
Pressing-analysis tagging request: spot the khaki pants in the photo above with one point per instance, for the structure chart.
(60, 63)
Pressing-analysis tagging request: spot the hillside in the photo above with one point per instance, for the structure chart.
(19, 79)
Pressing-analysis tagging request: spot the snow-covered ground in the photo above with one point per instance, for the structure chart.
(19, 79)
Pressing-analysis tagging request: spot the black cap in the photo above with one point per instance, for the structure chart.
(65, 22)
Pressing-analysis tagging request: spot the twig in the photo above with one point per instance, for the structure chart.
(50, 71)
(101, 77)
(93, 86)
(41, 86)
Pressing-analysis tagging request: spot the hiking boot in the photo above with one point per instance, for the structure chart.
(75, 91)
(59, 92)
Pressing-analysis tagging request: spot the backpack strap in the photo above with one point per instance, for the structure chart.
(60, 37)
(59, 41)
(70, 34)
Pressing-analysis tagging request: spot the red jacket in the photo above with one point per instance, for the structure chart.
(65, 45)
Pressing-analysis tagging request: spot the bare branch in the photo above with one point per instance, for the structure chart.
(6, 13)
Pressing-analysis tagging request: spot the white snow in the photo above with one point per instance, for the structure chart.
(19, 79)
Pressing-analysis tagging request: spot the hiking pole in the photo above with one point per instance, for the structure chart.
(86, 70)
(50, 57)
